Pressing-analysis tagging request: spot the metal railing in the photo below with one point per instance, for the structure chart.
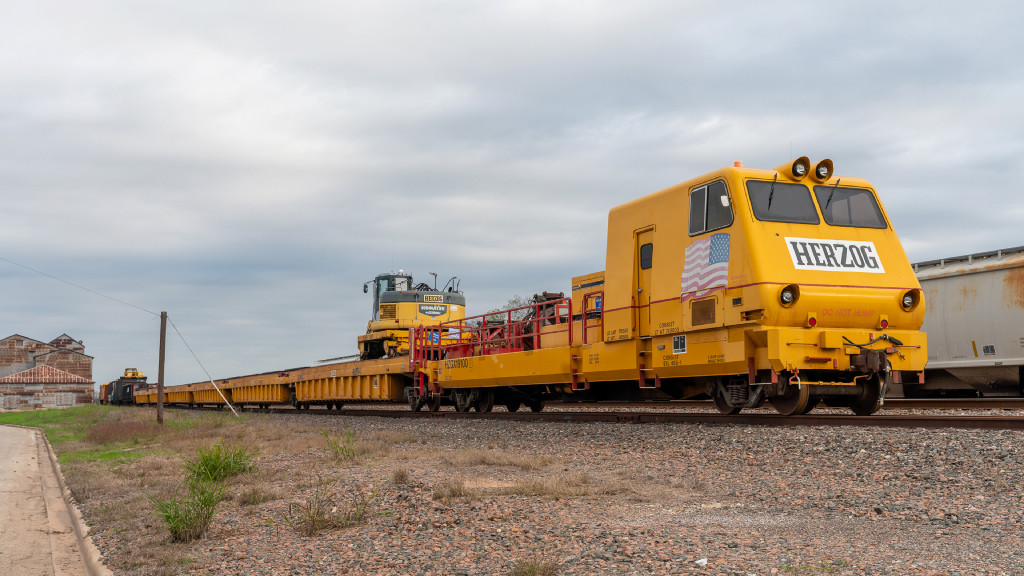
(512, 330)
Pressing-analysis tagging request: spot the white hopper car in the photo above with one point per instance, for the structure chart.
(974, 318)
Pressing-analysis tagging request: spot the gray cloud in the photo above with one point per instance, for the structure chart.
(248, 166)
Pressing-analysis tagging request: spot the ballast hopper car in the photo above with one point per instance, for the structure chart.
(975, 325)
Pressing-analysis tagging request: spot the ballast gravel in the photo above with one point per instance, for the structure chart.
(632, 499)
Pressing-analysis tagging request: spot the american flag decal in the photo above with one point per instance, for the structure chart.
(705, 266)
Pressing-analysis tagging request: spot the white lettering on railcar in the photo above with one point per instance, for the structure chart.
(834, 255)
(433, 309)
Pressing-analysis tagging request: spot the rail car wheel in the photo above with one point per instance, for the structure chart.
(812, 403)
(434, 404)
(415, 402)
(870, 399)
(794, 401)
(723, 405)
(484, 400)
(463, 400)
(536, 405)
(513, 405)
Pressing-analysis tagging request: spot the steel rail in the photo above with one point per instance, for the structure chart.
(1007, 403)
(979, 422)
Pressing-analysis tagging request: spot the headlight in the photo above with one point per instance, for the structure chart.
(910, 299)
(799, 169)
(823, 170)
(789, 295)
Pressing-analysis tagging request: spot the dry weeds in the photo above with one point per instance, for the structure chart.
(454, 488)
(122, 431)
(116, 491)
(478, 457)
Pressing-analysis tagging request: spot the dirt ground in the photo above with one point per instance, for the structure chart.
(497, 497)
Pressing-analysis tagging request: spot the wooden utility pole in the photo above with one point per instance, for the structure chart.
(160, 370)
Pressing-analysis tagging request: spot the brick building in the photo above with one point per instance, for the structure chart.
(35, 374)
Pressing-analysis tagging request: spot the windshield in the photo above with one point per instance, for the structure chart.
(781, 202)
(849, 207)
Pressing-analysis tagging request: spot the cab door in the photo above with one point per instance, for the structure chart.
(644, 259)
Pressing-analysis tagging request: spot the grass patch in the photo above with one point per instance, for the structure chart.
(451, 489)
(189, 517)
(253, 495)
(570, 486)
(321, 511)
(400, 476)
(132, 431)
(348, 447)
(343, 448)
(62, 424)
(467, 458)
(114, 456)
(219, 462)
(535, 566)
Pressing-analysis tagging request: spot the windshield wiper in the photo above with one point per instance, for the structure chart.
(829, 201)
(771, 192)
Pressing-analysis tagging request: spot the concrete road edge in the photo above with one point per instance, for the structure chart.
(91, 555)
(92, 559)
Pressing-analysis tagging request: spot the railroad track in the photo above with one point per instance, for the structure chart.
(1009, 403)
(702, 412)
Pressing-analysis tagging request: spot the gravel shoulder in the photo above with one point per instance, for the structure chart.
(475, 497)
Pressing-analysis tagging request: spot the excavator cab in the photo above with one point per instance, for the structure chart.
(400, 304)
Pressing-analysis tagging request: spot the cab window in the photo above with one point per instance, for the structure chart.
(710, 208)
(646, 256)
(781, 202)
(849, 207)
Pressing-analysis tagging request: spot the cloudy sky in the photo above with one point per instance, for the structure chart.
(246, 166)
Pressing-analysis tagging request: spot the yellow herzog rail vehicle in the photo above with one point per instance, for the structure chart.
(398, 305)
(785, 285)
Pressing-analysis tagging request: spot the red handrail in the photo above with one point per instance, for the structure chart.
(484, 334)
(586, 311)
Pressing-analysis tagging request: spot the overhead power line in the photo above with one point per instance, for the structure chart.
(130, 305)
(79, 286)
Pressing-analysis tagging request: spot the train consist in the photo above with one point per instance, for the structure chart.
(744, 285)
(122, 390)
(975, 325)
